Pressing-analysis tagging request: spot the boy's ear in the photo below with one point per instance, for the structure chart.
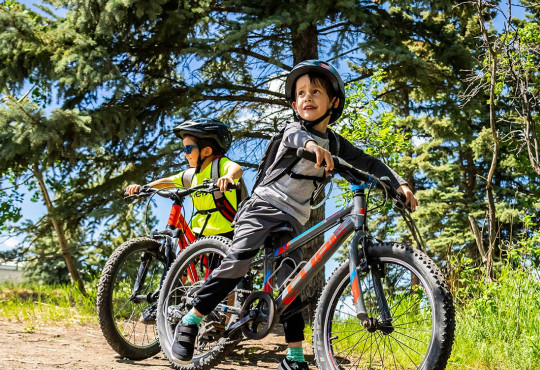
(293, 105)
(336, 102)
(207, 151)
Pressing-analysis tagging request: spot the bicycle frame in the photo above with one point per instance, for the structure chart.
(352, 219)
(178, 222)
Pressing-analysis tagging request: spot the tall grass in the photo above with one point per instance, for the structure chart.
(499, 326)
(34, 304)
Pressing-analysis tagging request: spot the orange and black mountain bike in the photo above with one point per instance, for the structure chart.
(385, 307)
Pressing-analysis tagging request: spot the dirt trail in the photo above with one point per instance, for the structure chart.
(83, 347)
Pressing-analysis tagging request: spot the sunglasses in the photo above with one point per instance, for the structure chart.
(189, 148)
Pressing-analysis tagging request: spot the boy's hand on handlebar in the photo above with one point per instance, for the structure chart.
(223, 182)
(322, 155)
(132, 189)
(411, 201)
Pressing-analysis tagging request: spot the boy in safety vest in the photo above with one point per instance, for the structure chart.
(317, 95)
(205, 143)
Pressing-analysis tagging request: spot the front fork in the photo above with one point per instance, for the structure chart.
(167, 249)
(358, 264)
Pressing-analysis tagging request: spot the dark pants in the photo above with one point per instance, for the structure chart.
(254, 222)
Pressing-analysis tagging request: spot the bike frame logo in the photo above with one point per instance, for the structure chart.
(291, 292)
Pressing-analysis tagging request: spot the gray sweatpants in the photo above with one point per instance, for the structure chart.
(254, 222)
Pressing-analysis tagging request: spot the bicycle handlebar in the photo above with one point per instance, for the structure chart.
(175, 194)
(356, 176)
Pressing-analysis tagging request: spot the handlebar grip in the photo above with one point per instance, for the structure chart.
(400, 201)
(339, 163)
(235, 186)
(305, 154)
(129, 198)
(401, 197)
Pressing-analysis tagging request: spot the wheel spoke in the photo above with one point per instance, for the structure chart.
(404, 342)
(347, 337)
(408, 336)
(401, 344)
(350, 349)
(345, 331)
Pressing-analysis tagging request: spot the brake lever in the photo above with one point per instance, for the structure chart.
(400, 201)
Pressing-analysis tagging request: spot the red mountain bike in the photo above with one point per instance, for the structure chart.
(129, 285)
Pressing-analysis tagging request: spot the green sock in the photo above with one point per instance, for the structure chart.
(295, 354)
(191, 318)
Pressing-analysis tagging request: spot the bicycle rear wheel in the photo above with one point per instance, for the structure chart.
(121, 318)
(421, 331)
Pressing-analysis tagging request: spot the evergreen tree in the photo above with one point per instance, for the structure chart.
(125, 72)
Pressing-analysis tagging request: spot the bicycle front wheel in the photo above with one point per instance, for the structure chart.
(185, 277)
(420, 332)
(128, 323)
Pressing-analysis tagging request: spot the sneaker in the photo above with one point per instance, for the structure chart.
(184, 342)
(148, 316)
(292, 365)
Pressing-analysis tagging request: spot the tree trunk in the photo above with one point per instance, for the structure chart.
(493, 65)
(529, 133)
(478, 237)
(304, 43)
(66, 253)
(305, 46)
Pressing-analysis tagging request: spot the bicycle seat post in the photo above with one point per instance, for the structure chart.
(279, 234)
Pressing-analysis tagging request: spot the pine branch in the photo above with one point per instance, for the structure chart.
(264, 58)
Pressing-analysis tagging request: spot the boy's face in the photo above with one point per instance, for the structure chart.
(311, 101)
(194, 155)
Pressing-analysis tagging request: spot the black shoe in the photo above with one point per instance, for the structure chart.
(292, 365)
(184, 342)
(148, 316)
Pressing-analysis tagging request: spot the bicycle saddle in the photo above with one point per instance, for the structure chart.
(281, 229)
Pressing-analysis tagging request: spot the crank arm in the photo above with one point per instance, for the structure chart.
(238, 325)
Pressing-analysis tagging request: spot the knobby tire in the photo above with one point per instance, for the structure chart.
(118, 317)
(420, 304)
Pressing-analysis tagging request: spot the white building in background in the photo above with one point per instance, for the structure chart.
(11, 272)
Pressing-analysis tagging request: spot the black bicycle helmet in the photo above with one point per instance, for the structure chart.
(320, 67)
(206, 128)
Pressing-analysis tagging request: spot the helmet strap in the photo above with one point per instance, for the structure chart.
(199, 163)
(313, 123)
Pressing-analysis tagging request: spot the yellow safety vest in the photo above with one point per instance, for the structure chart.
(209, 223)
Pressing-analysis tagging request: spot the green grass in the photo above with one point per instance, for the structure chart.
(35, 304)
(500, 327)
